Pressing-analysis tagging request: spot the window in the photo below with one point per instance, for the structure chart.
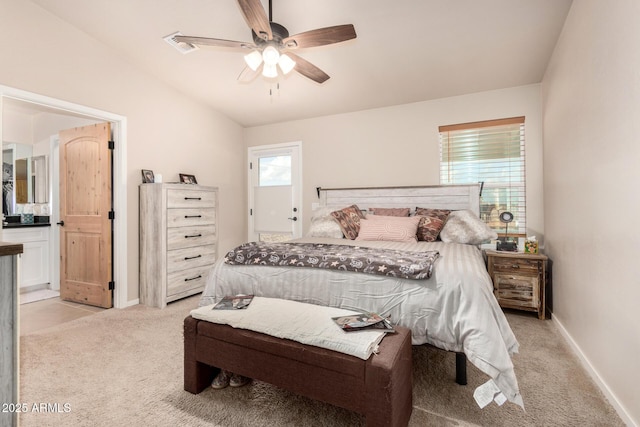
(491, 152)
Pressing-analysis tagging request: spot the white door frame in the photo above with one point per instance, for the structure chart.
(119, 130)
(295, 147)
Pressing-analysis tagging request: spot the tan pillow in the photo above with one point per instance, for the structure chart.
(388, 228)
(390, 211)
(349, 220)
(431, 223)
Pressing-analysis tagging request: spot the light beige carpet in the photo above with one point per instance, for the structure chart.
(124, 368)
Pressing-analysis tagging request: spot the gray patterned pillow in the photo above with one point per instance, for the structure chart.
(465, 227)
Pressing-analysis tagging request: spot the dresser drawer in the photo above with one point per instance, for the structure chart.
(197, 256)
(190, 217)
(187, 280)
(188, 198)
(186, 237)
(516, 266)
(516, 290)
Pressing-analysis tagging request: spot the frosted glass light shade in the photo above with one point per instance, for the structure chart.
(253, 59)
(270, 55)
(286, 63)
(269, 71)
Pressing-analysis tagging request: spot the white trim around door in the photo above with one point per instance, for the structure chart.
(119, 129)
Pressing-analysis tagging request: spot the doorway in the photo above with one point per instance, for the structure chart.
(275, 196)
(119, 123)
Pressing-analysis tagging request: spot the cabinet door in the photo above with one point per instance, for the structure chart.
(517, 291)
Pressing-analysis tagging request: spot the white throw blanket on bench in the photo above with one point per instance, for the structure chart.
(306, 323)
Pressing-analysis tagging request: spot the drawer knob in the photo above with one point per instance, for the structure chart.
(515, 266)
(193, 216)
(187, 258)
(193, 235)
(193, 278)
(193, 198)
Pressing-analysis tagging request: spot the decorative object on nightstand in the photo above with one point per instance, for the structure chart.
(519, 280)
(505, 244)
(178, 240)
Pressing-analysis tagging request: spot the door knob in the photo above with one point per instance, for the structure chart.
(60, 223)
(295, 218)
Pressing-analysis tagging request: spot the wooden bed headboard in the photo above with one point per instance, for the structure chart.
(454, 197)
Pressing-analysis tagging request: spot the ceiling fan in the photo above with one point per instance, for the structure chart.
(272, 45)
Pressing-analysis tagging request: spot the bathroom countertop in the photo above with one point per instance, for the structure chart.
(21, 225)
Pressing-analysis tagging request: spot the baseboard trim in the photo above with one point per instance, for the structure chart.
(611, 397)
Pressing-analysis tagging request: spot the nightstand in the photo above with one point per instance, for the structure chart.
(519, 280)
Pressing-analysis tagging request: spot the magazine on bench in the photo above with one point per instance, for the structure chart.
(362, 322)
(233, 302)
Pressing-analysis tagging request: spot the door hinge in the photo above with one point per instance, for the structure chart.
(112, 285)
(112, 215)
(250, 165)
(112, 145)
(250, 211)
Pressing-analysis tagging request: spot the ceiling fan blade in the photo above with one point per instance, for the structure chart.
(206, 41)
(321, 37)
(308, 70)
(247, 75)
(256, 18)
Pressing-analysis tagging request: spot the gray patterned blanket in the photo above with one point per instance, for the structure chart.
(386, 262)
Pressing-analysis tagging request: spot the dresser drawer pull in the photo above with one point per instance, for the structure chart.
(193, 198)
(193, 235)
(193, 278)
(193, 216)
(515, 266)
(187, 258)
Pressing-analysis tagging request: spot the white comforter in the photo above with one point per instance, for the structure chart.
(454, 310)
(306, 323)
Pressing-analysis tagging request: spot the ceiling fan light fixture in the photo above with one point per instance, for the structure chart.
(269, 71)
(270, 55)
(286, 63)
(253, 59)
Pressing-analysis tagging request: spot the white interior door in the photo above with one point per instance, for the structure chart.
(275, 192)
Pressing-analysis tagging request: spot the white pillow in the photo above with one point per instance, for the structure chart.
(323, 224)
(465, 227)
(389, 228)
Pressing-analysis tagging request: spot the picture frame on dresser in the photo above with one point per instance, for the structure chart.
(188, 179)
(147, 176)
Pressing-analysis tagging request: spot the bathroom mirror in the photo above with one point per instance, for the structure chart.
(39, 181)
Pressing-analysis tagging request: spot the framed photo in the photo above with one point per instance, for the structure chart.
(147, 176)
(187, 179)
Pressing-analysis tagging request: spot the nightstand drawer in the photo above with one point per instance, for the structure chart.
(516, 290)
(516, 266)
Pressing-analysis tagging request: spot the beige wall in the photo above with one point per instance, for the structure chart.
(167, 132)
(399, 145)
(591, 174)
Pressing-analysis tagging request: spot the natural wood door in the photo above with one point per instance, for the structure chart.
(85, 203)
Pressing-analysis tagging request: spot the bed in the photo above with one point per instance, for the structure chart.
(453, 308)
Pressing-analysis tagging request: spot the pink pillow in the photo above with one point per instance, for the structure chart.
(389, 228)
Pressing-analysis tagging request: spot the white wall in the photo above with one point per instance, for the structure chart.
(399, 145)
(167, 132)
(591, 94)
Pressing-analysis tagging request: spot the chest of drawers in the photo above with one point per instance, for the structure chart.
(519, 280)
(178, 240)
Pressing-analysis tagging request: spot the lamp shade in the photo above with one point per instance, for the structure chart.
(269, 70)
(253, 59)
(270, 55)
(286, 63)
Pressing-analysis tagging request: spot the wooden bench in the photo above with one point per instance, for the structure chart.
(379, 388)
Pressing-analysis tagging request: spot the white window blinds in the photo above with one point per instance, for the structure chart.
(491, 152)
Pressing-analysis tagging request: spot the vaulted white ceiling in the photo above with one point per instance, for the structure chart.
(406, 50)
